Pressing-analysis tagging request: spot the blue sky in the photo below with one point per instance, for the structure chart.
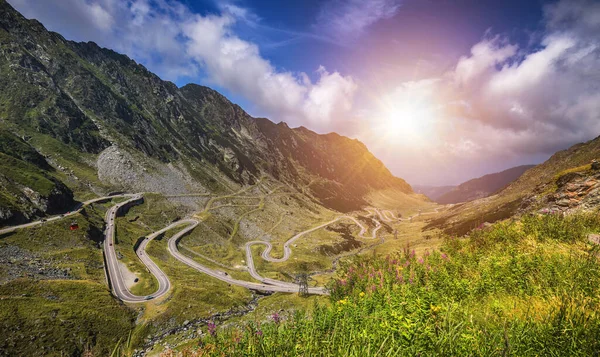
(463, 87)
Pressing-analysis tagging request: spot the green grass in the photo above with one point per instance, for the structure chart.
(62, 317)
(58, 318)
(523, 288)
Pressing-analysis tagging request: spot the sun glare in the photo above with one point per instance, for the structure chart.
(409, 122)
(409, 114)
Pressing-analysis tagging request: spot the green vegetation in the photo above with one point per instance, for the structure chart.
(50, 314)
(524, 288)
(60, 317)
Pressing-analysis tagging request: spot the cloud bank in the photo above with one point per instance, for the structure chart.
(504, 103)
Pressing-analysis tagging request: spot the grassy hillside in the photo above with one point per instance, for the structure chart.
(521, 195)
(524, 288)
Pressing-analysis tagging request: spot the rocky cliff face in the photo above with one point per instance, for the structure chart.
(86, 99)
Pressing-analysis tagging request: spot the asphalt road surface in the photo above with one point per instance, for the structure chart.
(75, 210)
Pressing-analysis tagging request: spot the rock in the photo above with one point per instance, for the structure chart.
(595, 165)
(565, 202)
(594, 238)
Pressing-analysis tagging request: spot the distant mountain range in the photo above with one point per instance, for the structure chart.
(77, 120)
(473, 189)
(433, 192)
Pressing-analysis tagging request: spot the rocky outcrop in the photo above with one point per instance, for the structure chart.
(574, 191)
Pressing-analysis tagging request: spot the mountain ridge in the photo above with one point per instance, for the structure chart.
(483, 186)
(107, 123)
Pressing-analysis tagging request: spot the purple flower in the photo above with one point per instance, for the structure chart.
(444, 256)
(259, 333)
(276, 318)
(212, 328)
(421, 261)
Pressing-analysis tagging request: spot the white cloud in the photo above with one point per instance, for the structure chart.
(171, 40)
(508, 104)
(236, 64)
(346, 20)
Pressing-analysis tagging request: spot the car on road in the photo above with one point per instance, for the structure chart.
(149, 298)
(110, 244)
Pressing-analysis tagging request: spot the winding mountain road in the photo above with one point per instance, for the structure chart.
(117, 282)
(74, 211)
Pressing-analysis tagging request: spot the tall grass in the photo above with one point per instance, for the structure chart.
(526, 288)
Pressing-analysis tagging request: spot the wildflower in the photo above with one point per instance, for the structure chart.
(434, 308)
(427, 253)
(276, 318)
(361, 294)
(444, 256)
(212, 328)
(421, 261)
(259, 333)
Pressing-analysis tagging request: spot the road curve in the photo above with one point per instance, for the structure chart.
(75, 210)
(287, 251)
(276, 286)
(117, 283)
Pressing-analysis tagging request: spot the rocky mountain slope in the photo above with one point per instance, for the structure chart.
(482, 186)
(88, 120)
(565, 182)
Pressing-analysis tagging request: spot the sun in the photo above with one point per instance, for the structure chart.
(408, 122)
(409, 114)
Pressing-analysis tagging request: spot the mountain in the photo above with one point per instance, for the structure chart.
(433, 192)
(566, 175)
(77, 120)
(482, 186)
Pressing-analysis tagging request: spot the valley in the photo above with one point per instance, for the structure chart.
(141, 216)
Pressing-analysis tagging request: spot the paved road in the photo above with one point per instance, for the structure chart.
(119, 287)
(117, 283)
(287, 251)
(276, 286)
(75, 210)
